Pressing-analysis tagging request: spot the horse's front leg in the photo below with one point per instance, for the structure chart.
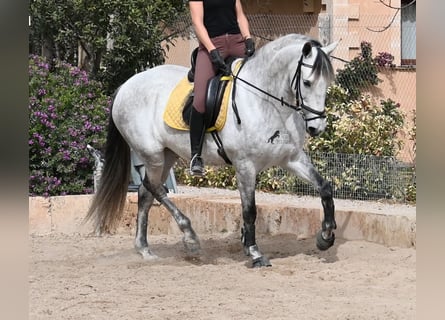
(246, 187)
(304, 169)
(326, 237)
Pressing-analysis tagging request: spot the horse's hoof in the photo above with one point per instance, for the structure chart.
(147, 254)
(192, 246)
(150, 257)
(261, 262)
(324, 244)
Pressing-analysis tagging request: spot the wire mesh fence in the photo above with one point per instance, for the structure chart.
(361, 177)
(353, 176)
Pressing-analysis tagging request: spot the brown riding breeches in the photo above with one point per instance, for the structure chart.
(227, 45)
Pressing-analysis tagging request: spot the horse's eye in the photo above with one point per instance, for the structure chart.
(307, 83)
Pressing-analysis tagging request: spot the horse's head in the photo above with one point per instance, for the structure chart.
(312, 78)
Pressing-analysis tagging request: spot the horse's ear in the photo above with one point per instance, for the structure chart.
(330, 47)
(307, 49)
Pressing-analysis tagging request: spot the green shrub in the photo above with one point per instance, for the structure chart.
(363, 138)
(215, 177)
(276, 180)
(410, 191)
(359, 126)
(360, 73)
(66, 111)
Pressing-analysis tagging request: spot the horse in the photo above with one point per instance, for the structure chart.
(291, 68)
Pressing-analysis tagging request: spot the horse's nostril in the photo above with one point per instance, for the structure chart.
(312, 131)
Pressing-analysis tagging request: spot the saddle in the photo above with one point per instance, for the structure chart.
(214, 96)
(177, 115)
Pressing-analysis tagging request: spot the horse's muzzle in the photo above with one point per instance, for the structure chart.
(313, 132)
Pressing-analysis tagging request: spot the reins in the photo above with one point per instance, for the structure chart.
(299, 99)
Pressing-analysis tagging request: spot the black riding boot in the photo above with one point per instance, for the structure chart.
(197, 131)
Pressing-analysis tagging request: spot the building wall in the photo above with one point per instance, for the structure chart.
(281, 6)
(180, 51)
(399, 85)
(356, 20)
(262, 9)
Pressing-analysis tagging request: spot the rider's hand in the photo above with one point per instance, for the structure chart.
(250, 47)
(218, 61)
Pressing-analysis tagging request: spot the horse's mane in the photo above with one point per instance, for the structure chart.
(322, 63)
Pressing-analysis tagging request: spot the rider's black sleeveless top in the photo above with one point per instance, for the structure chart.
(220, 17)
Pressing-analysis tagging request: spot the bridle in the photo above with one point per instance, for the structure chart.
(299, 106)
(299, 97)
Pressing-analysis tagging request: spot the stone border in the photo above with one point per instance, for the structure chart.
(222, 213)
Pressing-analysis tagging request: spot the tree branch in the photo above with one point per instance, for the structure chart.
(388, 26)
(395, 15)
(402, 7)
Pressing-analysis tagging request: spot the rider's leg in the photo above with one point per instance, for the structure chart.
(197, 131)
(204, 71)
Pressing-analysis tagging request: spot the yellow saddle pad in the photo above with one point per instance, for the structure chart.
(175, 105)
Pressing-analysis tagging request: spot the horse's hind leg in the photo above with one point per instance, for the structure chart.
(145, 201)
(153, 183)
(190, 239)
(305, 170)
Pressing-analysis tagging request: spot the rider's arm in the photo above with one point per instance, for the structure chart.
(242, 20)
(197, 14)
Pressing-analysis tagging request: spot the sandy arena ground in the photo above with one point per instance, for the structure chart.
(79, 277)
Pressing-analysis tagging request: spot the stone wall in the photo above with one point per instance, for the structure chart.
(214, 214)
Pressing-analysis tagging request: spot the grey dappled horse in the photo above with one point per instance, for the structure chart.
(268, 130)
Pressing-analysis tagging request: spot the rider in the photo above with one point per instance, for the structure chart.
(222, 30)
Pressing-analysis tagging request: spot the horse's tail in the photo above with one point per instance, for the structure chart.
(108, 203)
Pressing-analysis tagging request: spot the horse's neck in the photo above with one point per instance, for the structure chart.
(273, 72)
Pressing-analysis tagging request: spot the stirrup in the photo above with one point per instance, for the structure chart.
(197, 166)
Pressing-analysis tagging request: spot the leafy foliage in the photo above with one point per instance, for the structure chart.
(411, 193)
(66, 111)
(359, 126)
(359, 176)
(276, 180)
(412, 132)
(119, 38)
(216, 177)
(359, 73)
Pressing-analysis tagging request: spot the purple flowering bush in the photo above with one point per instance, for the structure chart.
(385, 59)
(66, 112)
